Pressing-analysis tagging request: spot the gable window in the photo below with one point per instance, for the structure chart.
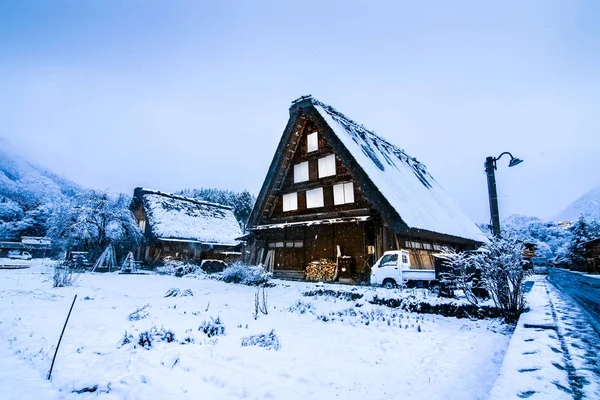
(312, 142)
(142, 224)
(301, 172)
(290, 201)
(343, 193)
(314, 198)
(327, 166)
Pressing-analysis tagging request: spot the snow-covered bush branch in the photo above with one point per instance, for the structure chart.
(498, 268)
(502, 274)
(460, 273)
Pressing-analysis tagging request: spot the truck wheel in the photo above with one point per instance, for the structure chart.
(389, 284)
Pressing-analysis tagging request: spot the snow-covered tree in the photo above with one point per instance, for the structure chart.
(580, 232)
(241, 202)
(92, 220)
(16, 222)
(550, 239)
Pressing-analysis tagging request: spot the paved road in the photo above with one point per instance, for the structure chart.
(585, 290)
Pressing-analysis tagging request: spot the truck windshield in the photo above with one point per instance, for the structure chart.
(388, 260)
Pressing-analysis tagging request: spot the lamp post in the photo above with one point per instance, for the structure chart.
(490, 167)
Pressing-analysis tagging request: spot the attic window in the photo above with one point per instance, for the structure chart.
(312, 142)
(301, 172)
(343, 193)
(314, 198)
(142, 225)
(290, 201)
(327, 166)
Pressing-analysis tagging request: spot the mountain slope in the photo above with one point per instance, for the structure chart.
(587, 206)
(28, 184)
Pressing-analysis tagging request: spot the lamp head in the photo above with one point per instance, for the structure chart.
(514, 161)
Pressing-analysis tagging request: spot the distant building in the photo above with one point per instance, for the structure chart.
(337, 191)
(36, 246)
(592, 254)
(564, 224)
(37, 241)
(184, 228)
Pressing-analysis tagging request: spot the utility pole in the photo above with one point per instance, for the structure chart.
(490, 167)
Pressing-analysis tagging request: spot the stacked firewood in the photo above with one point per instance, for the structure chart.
(322, 270)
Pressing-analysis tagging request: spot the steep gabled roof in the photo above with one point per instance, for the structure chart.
(399, 185)
(177, 217)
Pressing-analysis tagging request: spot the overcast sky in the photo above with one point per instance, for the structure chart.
(173, 95)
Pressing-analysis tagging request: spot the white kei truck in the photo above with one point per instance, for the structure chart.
(394, 269)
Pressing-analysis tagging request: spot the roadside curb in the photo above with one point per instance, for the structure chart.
(534, 363)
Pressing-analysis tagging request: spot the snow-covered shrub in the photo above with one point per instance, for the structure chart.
(269, 341)
(139, 313)
(211, 328)
(338, 294)
(62, 276)
(497, 268)
(165, 270)
(460, 272)
(301, 307)
(245, 274)
(213, 266)
(189, 337)
(145, 339)
(502, 274)
(413, 305)
(173, 292)
(166, 335)
(127, 338)
(176, 292)
(177, 268)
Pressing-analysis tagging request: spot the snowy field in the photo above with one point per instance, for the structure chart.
(7, 263)
(329, 347)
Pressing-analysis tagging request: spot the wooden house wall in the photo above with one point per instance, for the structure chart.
(592, 253)
(318, 242)
(592, 249)
(288, 186)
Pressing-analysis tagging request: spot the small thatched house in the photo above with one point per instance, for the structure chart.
(337, 191)
(184, 228)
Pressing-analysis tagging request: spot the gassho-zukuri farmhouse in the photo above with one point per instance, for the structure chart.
(337, 192)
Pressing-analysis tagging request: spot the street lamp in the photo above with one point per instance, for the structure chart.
(490, 167)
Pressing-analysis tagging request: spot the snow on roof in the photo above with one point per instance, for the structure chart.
(177, 217)
(312, 223)
(402, 180)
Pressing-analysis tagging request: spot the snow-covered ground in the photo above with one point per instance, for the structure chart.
(553, 353)
(329, 347)
(8, 263)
